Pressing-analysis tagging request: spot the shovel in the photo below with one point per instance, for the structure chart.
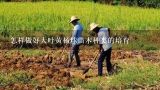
(86, 70)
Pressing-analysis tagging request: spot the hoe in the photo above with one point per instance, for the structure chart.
(86, 70)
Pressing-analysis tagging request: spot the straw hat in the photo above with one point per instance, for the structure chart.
(93, 26)
(73, 18)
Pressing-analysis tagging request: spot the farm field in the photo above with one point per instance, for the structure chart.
(31, 66)
(32, 69)
(56, 15)
(51, 19)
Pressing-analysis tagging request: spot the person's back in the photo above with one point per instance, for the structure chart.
(77, 28)
(77, 33)
(103, 36)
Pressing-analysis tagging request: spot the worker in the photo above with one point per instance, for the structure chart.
(105, 47)
(76, 41)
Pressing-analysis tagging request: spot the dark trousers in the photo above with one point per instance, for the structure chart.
(74, 52)
(105, 55)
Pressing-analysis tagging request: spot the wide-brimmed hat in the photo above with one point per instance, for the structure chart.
(93, 26)
(73, 18)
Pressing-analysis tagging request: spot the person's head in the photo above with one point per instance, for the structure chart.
(74, 20)
(94, 27)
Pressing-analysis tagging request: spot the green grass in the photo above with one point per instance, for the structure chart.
(56, 15)
(27, 52)
(141, 72)
(135, 72)
(14, 77)
(51, 19)
(31, 52)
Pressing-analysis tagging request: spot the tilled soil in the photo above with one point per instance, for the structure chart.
(50, 67)
(40, 67)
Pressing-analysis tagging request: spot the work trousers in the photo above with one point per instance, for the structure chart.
(105, 55)
(74, 52)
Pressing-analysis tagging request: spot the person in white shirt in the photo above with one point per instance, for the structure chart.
(105, 47)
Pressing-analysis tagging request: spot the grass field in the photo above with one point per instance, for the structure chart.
(56, 15)
(52, 19)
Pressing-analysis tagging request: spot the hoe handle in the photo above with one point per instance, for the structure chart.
(94, 60)
(86, 70)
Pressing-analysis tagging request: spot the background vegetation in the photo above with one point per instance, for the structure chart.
(56, 16)
(141, 3)
(51, 19)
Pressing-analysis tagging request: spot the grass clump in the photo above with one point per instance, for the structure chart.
(14, 77)
(142, 73)
(93, 84)
(30, 52)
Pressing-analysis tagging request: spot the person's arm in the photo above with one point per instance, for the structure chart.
(75, 31)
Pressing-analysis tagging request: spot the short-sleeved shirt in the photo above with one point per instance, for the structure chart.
(103, 38)
(77, 34)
